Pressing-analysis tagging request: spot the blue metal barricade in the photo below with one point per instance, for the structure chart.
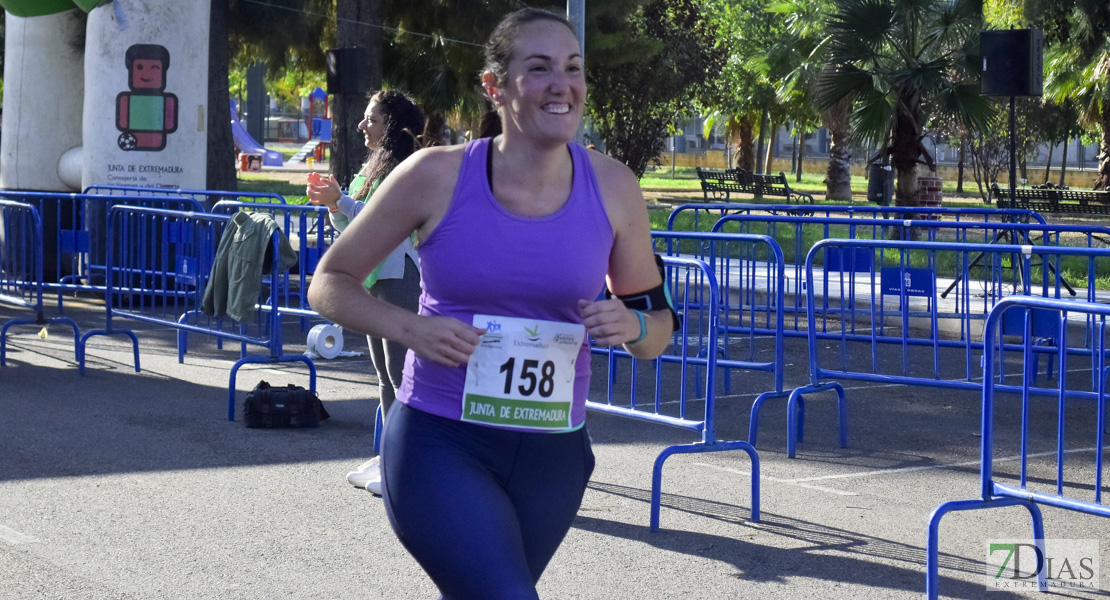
(207, 198)
(692, 352)
(694, 216)
(750, 271)
(21, 281)
(885, 306)
(1093, 356)
(74, 233)
(164, 283)
(797, 235)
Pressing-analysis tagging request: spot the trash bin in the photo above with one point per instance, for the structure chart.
(880, 184)
(250, 162)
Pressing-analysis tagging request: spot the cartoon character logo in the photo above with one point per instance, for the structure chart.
(146, 113)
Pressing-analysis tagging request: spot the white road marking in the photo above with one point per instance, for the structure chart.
(12, 536)
(818, 488)
(969, 463)
(805, 481)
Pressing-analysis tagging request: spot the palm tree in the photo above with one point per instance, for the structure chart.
(800, 56)
(1078, 65)
(898, 61)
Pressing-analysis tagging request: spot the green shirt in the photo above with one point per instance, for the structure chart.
(340, 221)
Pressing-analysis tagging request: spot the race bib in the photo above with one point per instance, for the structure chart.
(522, 373)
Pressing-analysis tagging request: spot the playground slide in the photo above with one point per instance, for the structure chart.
(248, 145)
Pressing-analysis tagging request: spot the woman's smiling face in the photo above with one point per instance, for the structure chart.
(544, 91)
(372, 125)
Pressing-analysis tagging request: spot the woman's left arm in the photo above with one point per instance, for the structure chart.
(632, 268)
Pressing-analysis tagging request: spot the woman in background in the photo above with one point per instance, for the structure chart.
(391, 126)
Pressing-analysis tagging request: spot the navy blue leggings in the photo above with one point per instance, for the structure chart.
(481, 509)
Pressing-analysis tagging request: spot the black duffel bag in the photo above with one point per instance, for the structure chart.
(289, 406)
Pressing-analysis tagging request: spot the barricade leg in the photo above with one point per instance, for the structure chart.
(77, 354)
(753, 423)
(183, 335)
(932, 561)
(127, 332)
(657, 472)
(795, 416)
(266, 359)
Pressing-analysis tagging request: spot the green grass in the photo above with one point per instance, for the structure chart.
(685, 179)
(259, 183)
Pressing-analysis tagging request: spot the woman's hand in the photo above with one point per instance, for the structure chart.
(445, 340)
(323, 191)
(608, 322)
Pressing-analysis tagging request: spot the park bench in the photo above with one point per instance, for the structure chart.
(1054, 200)
(718, 185)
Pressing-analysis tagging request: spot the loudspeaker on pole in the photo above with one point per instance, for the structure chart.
(347, 71)
(1012, 62)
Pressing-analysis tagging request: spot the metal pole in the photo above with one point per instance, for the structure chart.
(576, 14)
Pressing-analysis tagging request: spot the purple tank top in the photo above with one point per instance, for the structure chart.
(483, 259)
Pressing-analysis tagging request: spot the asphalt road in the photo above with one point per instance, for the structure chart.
(124, 485)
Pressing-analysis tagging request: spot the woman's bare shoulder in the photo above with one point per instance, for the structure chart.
(617, 182)
(436, 160)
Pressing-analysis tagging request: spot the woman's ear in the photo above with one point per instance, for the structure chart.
(489, 83)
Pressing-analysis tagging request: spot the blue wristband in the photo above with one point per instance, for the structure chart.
(643, 326)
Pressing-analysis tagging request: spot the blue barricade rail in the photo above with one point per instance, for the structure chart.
(692, 352)
(1084, 492)
(159, 264)
(699, 212)
(750, 299)
(21, 282)
(74, 234)
(207, 198)
(804, 231)
(886, 304)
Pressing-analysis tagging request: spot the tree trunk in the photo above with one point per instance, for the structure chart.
(801, 154)
(1103, 180)
(1048, 163)
(838, 175)
(220, 172)
(905, 146)
(794, 151)
(769, 150)
(357, 26)
(744, 157)
(797, 167)
(759, 146)
(960, 164)
(1064, 163)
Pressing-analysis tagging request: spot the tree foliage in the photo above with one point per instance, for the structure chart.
(742, 92)
(634, 103)
(1077, 60)
(900, 61)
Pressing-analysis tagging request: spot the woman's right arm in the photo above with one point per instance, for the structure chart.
(326, 192)
(414, 197)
